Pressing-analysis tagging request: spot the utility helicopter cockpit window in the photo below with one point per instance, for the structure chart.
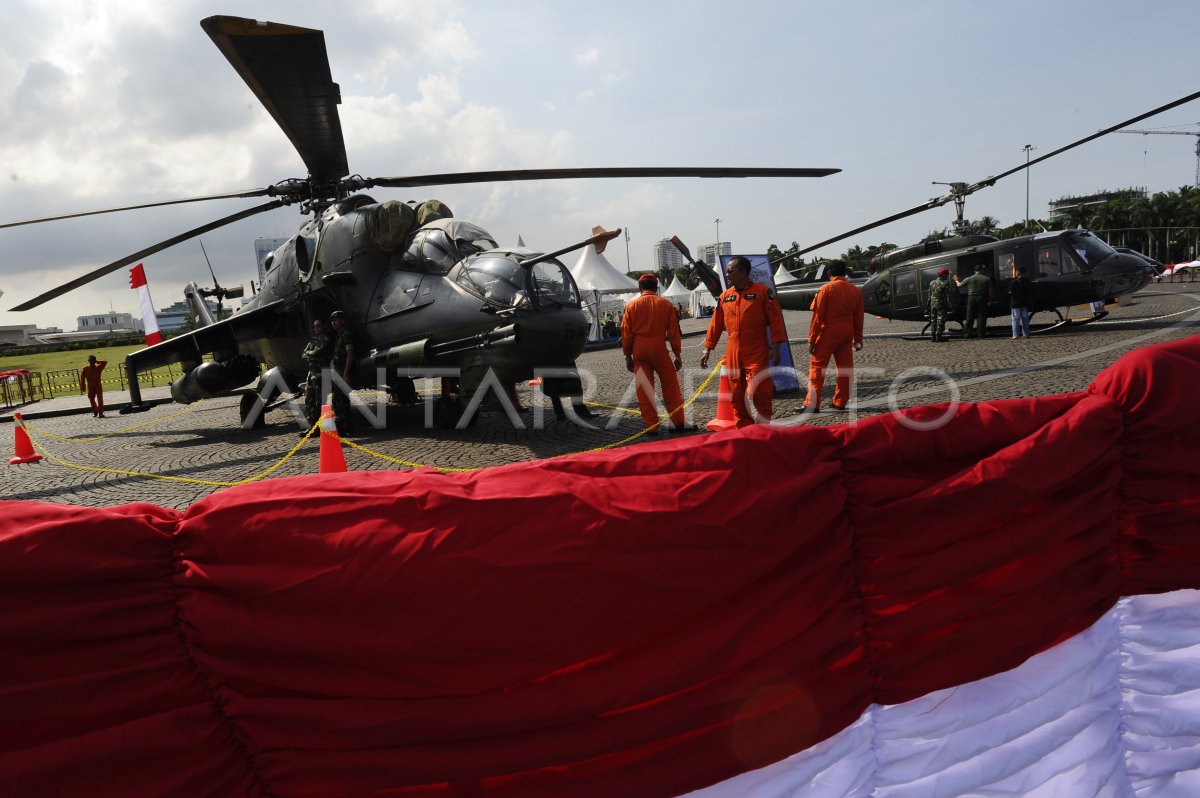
(439, 245)
(1090, 249)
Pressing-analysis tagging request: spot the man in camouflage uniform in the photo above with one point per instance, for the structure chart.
(318, 354)
(979, 296)
(343, 366)
(942, 294)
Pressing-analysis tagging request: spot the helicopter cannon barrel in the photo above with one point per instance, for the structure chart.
(508, 334)
(413, 353)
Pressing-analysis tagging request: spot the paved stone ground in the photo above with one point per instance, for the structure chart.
(204, 443)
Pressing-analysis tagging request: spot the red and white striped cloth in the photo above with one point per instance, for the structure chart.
(137, 281)
(1005, 604)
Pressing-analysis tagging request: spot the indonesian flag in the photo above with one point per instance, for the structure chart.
(988, 599)
(137, 281)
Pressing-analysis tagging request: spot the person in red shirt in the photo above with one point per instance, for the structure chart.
(747, 311)
(648, 324)
(836, 330)
(89, 380)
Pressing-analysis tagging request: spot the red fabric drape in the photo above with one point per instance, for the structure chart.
(638, 622)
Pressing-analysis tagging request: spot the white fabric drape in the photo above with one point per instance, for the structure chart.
(1113, 711)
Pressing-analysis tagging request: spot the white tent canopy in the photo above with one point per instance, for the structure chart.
(676, 292)
(595, 276)
(782, 276)
(593, 272)
(700, 300)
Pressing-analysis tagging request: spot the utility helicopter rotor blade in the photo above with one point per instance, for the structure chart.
(145, 253)
(510, 175)
(257, 192)
(287, 68)
(973, 187)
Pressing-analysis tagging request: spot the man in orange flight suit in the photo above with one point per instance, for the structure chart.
(89, 380)
(747, 311)
(649, 322)
(836, 330)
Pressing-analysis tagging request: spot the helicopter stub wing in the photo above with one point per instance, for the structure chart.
(287, 68)
(244, 327)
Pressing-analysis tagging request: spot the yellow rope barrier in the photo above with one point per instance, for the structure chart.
(95, 438)
(380, 455)
(189, 480)
(454, 469)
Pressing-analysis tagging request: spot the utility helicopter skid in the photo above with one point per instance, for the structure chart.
(1067, 268)
(425, 292)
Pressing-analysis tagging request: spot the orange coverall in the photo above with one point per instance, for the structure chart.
(747, 317)
(836, 326)
(89, 379)
(650, 321)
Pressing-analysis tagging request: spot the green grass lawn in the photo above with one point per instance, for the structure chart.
(60, 370)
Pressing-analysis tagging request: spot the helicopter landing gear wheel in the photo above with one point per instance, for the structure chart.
(252, 409)
(251, 413)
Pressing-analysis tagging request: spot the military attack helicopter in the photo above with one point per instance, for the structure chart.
(1068, 268)
(425, 291)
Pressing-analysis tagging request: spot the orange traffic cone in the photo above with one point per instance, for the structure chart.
(332, 459)
(724, 419)
(25, 452)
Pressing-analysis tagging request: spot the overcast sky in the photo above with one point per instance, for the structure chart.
(114, 103)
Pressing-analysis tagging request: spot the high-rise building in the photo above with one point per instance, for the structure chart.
(666, 256)
(710, 252)
(262, 248)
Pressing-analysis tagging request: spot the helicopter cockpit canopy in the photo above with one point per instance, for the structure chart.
(439, 245)
(499, 278)
(1090, 249)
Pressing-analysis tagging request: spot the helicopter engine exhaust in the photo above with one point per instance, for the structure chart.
(213, 378)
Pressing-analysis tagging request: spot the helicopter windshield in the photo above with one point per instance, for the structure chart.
(499, 278)
(1090, 249)
(554, 284)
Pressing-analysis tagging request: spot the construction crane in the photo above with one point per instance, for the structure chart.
(1195, 133)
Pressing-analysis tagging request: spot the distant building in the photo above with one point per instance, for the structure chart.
(108, 321)
(22, 334)
(174, 317)
(262, 248)
(666, 256)
(709, 252)
(1060, 207)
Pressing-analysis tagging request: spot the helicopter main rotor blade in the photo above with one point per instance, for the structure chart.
(287, 68)
(145, 253)
(257, 192)
(895, 217)
(972, 188)
(510, 175)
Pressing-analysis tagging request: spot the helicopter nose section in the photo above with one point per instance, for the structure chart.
(547, 341)
(1121, 274)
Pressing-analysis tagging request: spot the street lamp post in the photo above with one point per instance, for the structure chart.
(717, 248)
(627, 267)
(1028, 148)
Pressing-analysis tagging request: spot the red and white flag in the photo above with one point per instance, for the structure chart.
(137, 281)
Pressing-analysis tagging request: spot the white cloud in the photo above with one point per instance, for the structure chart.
(587, 57)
